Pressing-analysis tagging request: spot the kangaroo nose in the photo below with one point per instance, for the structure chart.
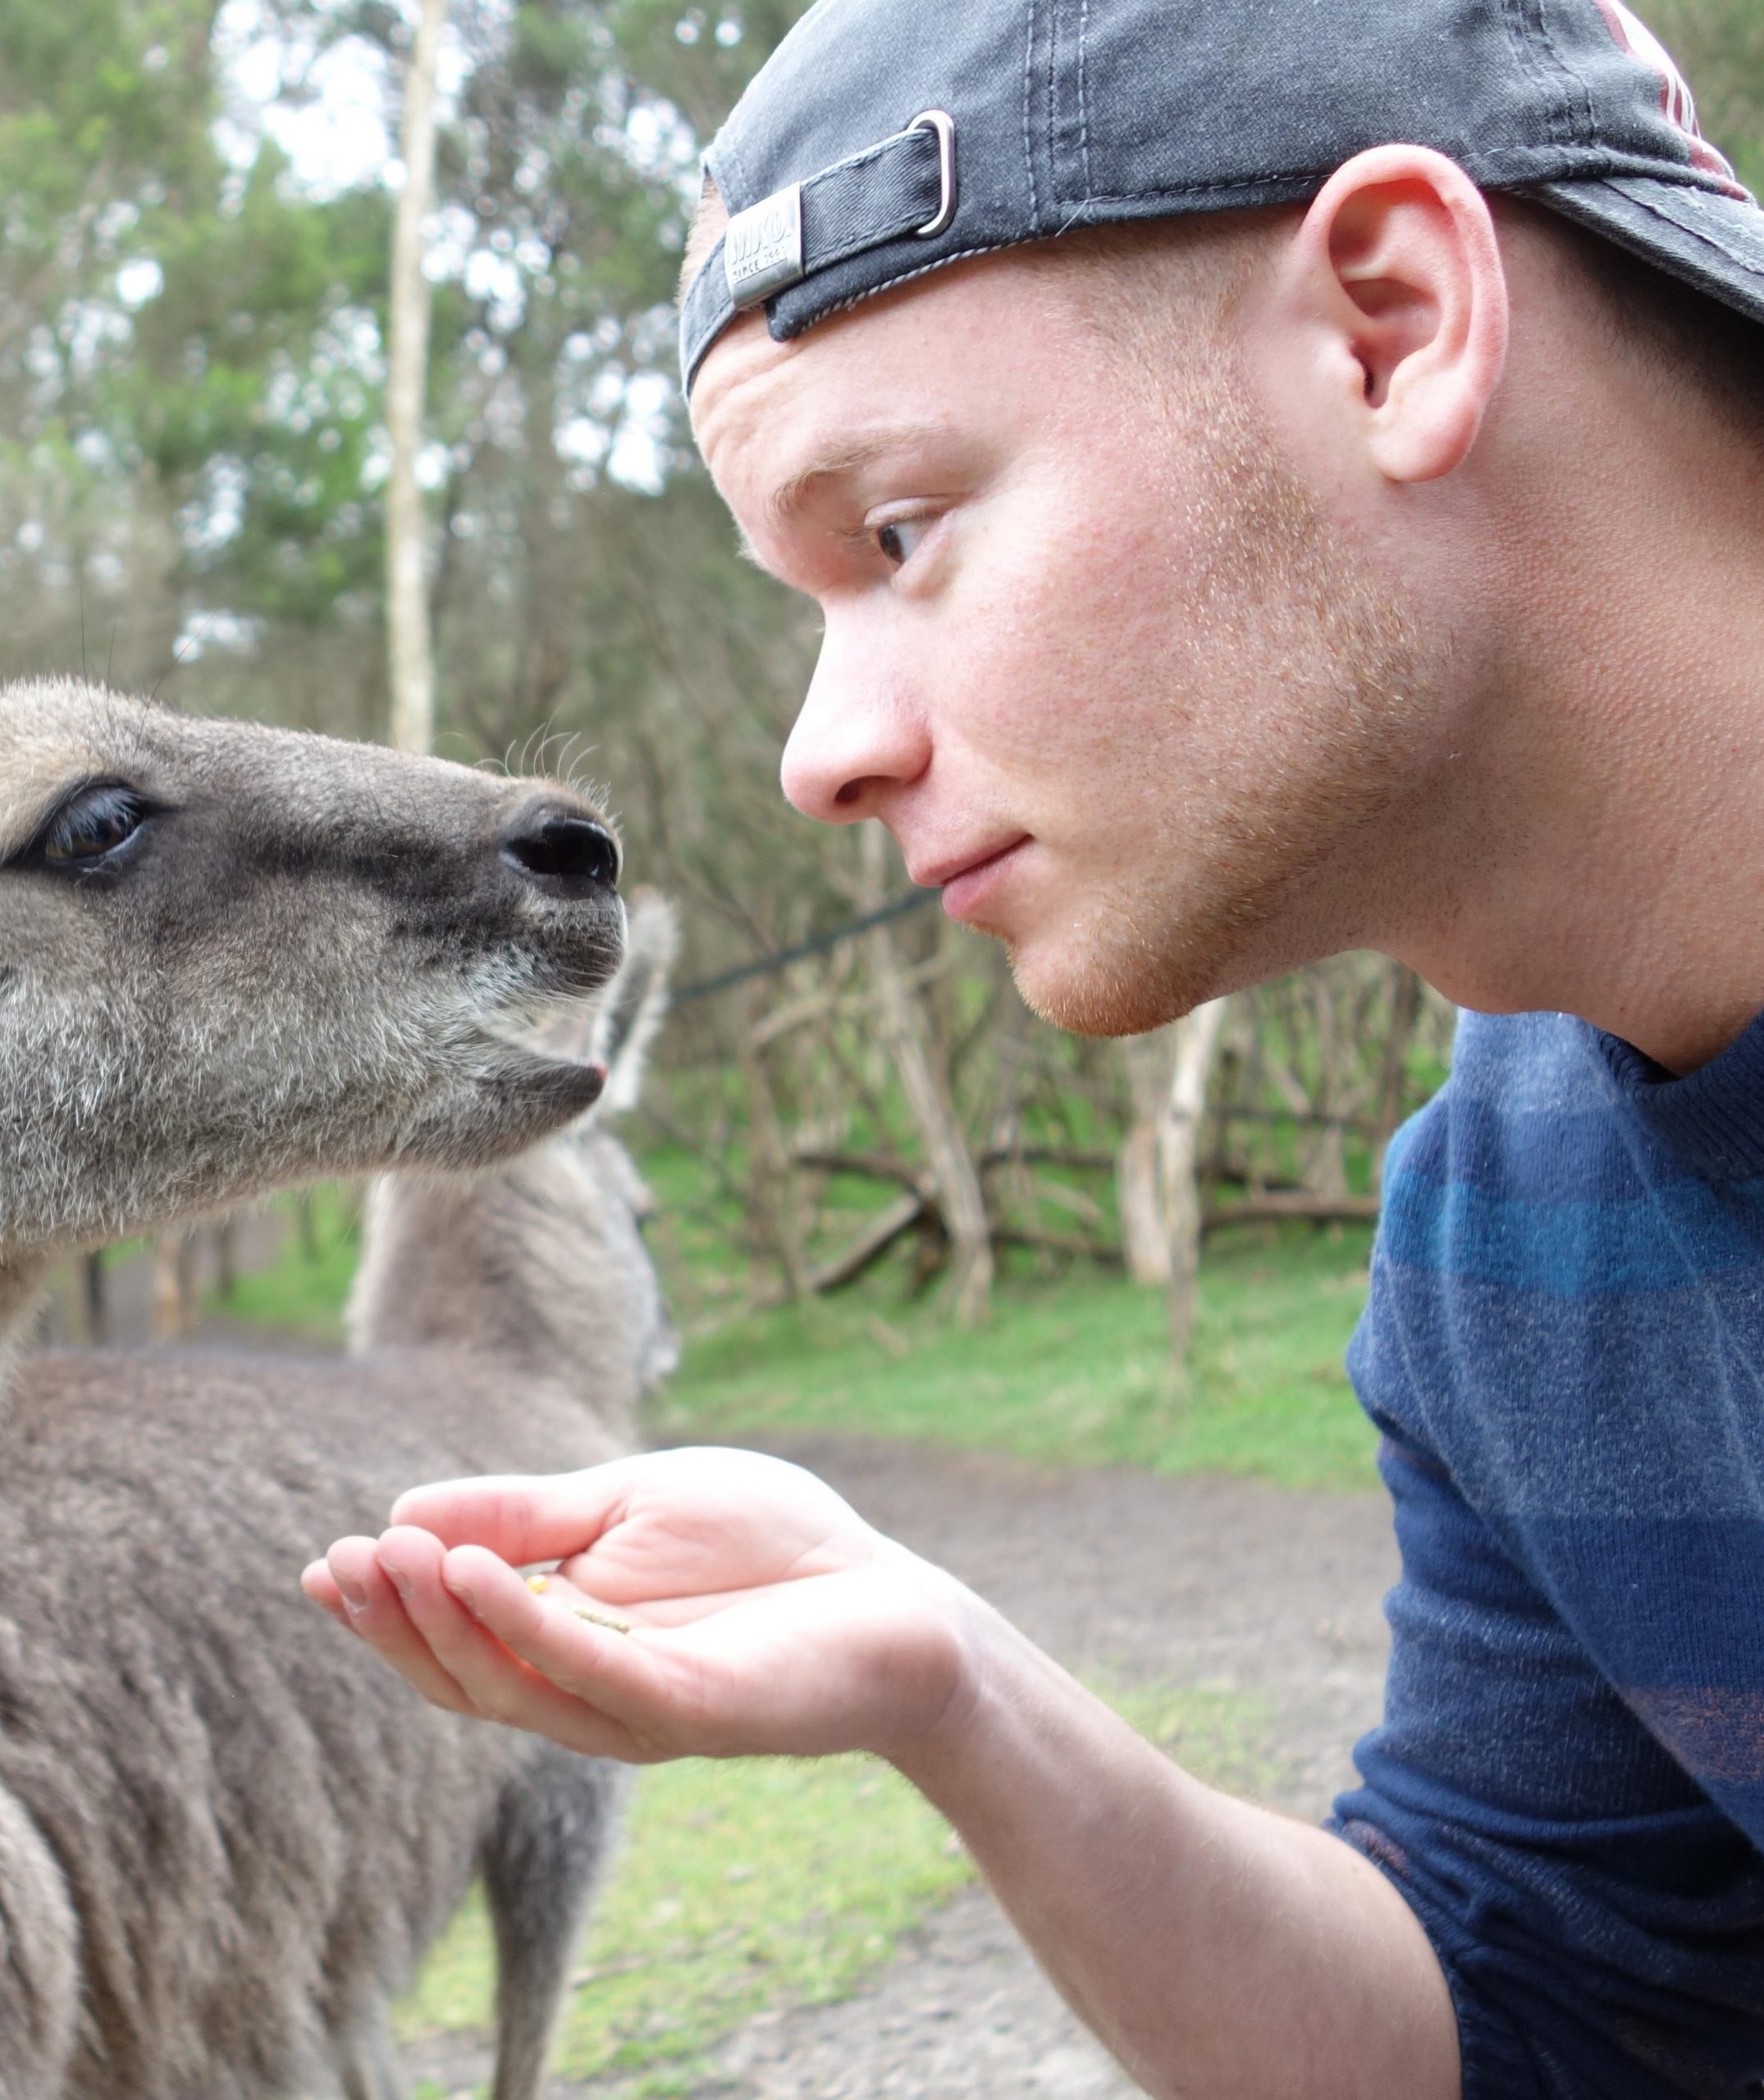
(562, 852)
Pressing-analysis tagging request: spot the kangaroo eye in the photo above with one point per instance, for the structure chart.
(93, 825)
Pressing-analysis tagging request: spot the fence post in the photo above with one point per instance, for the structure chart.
(1139, 1174)
(947, 1154)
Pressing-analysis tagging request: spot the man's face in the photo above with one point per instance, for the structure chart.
(1090, 653)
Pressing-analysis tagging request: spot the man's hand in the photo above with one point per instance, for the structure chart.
(764, 1614)
(1217, 1949)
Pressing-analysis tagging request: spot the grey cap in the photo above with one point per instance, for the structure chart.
(886, 138)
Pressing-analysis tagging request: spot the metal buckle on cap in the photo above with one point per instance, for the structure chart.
(940, 123)
(762, 247)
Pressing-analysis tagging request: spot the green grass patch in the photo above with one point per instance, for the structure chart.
(763, 1883)
(306, 1290)
(1074, 1370)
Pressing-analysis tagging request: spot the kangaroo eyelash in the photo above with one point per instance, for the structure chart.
(87, 827)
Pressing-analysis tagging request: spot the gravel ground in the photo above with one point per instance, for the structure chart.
(1207, 1581)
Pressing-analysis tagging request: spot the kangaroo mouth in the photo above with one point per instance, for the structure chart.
(576, 1087)
(544, 1041)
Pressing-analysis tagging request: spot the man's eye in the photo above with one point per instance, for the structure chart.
(93, 825)
(898, 539)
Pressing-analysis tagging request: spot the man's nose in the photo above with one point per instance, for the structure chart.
(854, 741)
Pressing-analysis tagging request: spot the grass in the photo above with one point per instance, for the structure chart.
(1072, 1370)
(305, 1291)
(762, 1884)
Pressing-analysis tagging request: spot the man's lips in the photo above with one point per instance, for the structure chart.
(962, 881)
(940, 872)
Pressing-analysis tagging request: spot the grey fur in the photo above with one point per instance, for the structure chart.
(227, 1833)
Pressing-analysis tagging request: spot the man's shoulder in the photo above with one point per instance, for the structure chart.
(1562, 1348)
(1558, 1290)
(1521, 1078)
(1531, 1169)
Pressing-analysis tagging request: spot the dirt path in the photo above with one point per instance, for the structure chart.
(1203, 1580)
(1215, 1582)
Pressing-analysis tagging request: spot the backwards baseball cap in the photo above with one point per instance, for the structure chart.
(886, 138)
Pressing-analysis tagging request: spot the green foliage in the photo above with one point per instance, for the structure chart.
(190, 421)
(304, 1293)
(760, 1884)
(1073, 1370)
(1720, 45)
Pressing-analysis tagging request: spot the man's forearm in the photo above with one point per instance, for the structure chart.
(1222, 1951)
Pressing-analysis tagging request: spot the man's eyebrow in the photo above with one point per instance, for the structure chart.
(844, 458)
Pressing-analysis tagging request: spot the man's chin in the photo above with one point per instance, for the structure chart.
(1093, 996)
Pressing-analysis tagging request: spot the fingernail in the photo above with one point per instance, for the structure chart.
(463, 1591)
(355, 1597)
(399, 1580)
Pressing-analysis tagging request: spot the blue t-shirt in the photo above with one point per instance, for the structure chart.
(1564, 1349)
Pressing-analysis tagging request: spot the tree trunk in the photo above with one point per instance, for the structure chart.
(1145, 1232)
(951, 1164)
(1326, 1172)
(774, 1220)
(1197, 1036)
(226, 1259)
(174, 1311)
(407, 613)
(96, 1308)
(153, 614)
(1406, 1012)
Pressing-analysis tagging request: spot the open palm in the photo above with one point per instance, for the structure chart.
(734, 1603)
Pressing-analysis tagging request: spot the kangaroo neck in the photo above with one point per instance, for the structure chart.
(518, 1265)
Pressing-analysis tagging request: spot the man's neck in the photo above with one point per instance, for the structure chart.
(1597, 846)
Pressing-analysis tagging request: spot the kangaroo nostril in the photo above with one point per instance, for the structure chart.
(570, 851)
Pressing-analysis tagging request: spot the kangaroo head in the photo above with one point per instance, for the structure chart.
(233, 957)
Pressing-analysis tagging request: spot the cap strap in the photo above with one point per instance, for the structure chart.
(905, 185)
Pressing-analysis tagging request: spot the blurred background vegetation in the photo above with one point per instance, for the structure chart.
(888, 1201)
(853, 1152)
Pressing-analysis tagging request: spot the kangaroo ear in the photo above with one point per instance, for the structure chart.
(634, 1003)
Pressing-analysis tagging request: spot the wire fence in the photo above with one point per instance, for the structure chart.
(768, 966)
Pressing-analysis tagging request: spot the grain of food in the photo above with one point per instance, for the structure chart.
(594, 1619)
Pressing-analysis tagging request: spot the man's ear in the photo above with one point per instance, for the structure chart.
(1396, 282)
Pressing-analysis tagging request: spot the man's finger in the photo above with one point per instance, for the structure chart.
(522, 1516)
(497, 1684)
(370, 1607)
(587, 1650)
(320, 1584)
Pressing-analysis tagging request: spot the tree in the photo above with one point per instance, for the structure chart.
(411, 661)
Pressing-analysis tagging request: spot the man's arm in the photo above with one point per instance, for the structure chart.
(737, 1606)
(1222, 1951)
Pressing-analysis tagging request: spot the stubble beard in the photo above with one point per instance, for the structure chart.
(1283, 597)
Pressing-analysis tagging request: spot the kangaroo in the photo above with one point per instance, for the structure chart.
(231, 959)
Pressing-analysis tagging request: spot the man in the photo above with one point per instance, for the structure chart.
(1278, 478)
